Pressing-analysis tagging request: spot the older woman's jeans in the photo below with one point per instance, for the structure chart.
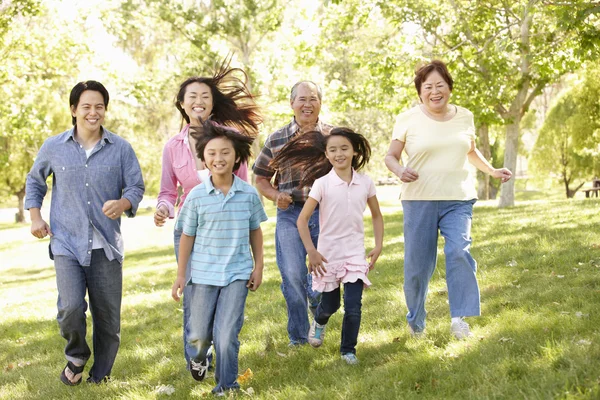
(103, 280)
(422, 220)
(217, 315)
(296, 283)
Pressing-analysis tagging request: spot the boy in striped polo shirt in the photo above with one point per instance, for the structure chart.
(220, 220)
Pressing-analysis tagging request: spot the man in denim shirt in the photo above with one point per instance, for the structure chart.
(96, 178)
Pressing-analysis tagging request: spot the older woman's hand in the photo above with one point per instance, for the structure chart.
(503, 174)
(408, 175)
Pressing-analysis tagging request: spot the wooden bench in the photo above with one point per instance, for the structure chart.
(594, 190)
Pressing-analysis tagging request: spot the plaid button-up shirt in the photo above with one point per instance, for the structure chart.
(287, 179)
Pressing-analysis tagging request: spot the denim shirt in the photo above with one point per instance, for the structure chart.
(80, 187)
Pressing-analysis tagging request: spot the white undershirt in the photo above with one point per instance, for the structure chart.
(97, 238)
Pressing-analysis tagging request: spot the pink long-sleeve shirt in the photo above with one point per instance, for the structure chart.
(179, 169)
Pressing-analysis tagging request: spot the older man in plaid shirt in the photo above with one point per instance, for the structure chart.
(286, 192)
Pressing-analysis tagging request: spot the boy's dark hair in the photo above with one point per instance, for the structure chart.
(233, 104)
(242, 144)
(82, 87)
(306, 153)
(424, 71)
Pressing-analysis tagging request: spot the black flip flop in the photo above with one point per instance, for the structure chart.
(75, 370)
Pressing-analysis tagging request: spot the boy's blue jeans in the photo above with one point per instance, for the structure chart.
(296, 283)
(186, 295)
(217, 316)
(103, 280)
(330, 303)
(422, 220)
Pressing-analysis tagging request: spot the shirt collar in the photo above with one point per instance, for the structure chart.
(236, 186)
(295, 128)
(183, 135)
(107, 136)
(337, 181)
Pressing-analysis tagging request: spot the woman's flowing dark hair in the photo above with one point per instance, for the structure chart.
(242, 144)
(233, 104)
(306, 153)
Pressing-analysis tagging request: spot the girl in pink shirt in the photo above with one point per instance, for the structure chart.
(225, 99)
(342, 195)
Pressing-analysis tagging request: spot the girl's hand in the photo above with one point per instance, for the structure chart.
(177, 289)
(315, 263)
(161, 215)
(255, 279)
(373, 256)
(503, 174)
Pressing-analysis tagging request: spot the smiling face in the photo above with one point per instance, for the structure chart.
(89, 112)
(220, 157)
(435, 93)
(197, 102)
(339, 152)
(306, 105)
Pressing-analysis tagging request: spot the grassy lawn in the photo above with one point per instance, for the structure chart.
(538, 336)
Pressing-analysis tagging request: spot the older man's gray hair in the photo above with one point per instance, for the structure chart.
(297, 84)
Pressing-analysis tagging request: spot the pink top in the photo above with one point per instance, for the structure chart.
(342, 235)
(179, 168)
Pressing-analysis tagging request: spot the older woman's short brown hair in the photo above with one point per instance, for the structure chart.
(435, 65)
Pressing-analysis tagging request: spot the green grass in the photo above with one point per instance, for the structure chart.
(537, 338)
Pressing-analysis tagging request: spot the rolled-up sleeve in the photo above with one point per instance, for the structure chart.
(133, 182)
(261, 165)
(35, 185)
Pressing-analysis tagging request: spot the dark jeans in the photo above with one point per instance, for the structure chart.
(330, 303)
(103, 280)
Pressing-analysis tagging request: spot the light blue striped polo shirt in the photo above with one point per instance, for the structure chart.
(222, 226)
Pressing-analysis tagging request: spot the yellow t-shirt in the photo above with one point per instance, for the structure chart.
(438, 152)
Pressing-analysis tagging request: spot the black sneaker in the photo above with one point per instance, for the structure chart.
(198, 369)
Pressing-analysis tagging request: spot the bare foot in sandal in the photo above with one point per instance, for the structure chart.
(72, 374)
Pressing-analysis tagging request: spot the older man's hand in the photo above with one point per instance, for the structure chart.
(283, 200)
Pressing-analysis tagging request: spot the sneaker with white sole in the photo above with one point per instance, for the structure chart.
(460, 329)
(198, 369)
(350, 358)
(316, 334)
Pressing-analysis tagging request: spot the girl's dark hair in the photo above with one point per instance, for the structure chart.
(435, 65)
(242, 144)
(233, 104)
(306, 153)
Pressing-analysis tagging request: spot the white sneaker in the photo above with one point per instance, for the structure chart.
(460, 329)
(316, 334)
(350, 358)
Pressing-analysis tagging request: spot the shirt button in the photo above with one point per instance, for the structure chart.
(90, 240)
(86, 165)
(87, 184)
(89, 252)
(89, 202)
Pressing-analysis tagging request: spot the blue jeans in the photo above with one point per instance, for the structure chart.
(296, 282)
(422, 220)
(186, 295)
(103, 280)
(217, 316)
(330, 303)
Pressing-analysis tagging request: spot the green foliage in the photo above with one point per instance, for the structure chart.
(538, 266)
(568, 145)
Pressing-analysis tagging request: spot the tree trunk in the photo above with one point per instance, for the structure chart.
(20, 215)
(483, 180)
(507, 190)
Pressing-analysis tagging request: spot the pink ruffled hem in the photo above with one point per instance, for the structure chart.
(341, 272)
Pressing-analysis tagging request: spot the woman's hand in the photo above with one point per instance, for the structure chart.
(503, 174)
(408, 175)
(161, 215)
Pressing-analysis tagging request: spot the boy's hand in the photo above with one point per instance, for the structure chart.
(315, 263)
(255, 279)
(177, 289)
(373, 256)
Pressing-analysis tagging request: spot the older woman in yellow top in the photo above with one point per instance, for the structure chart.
(438, 193)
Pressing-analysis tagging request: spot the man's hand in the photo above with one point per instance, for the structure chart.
(113, 208)
(283, 200)
(40, 229)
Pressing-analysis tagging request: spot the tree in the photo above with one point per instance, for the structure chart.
(568, 145)
(511, 51)
(36, 79)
